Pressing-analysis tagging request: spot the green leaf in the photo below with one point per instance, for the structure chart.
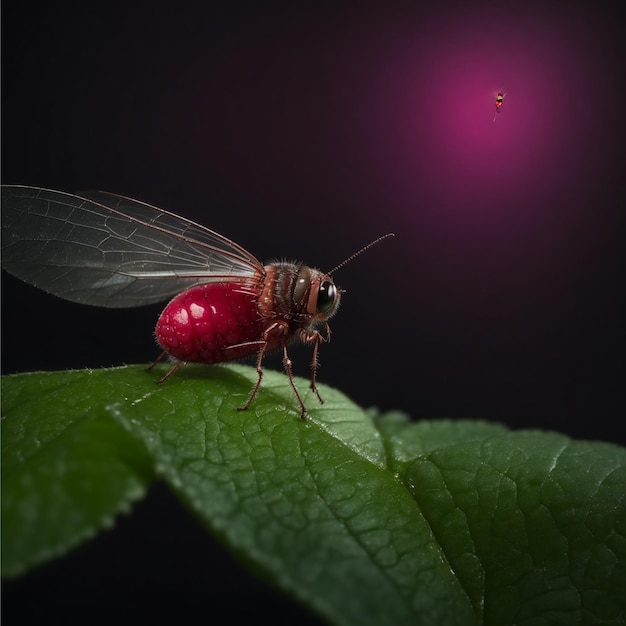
(366, 519)
(67, 467)
(532, 523)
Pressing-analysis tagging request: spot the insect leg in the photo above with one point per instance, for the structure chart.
(157, 360)
(287, 364)
(278, 330)
(316, 338)
(259, 371)
(169, 372)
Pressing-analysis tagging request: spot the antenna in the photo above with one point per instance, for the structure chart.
(359, 252)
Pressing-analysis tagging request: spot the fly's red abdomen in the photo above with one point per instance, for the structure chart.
(211, 323)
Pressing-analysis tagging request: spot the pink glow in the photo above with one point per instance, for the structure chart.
(492, 194)
(440, 119)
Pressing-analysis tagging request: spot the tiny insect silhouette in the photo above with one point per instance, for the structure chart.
(107, 250)
(499, 101)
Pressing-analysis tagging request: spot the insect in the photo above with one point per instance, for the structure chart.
(107, 250)
(499, 101)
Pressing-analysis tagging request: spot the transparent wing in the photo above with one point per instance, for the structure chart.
(106, 250)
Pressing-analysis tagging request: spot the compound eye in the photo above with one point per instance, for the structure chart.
(326, 296)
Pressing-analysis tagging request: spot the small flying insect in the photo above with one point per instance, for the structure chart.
(107, 250)
(499, 101)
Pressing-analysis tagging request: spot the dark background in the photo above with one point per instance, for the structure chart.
(303, 131)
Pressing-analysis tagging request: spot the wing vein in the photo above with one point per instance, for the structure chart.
(108, 250)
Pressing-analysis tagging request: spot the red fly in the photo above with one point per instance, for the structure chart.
(499, 101)
(107, 250)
